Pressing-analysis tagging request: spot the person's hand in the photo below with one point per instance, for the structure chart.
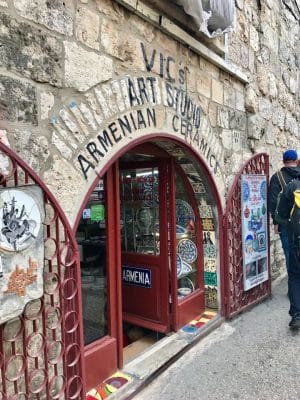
(276, 229)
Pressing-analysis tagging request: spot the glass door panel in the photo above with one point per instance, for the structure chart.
(189, 291)
(140, 210)
(145, 262)
(187, 252)
(91, 238)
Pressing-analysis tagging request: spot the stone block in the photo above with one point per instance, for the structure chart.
(265, 108)
(291, 125)
(87, 27)
(254, 38)
(204, 83)
(77, 74)
(55, 15)
(223, 117)
(256, 126)
(29, 51)
(217, 91)
(46, 104)
(237, 120)
(240, 101)
(229, 96)
(18, 101)
(115, 12)
(251, 100)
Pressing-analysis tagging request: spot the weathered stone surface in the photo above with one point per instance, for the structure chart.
(88, 27)
(55, 15)
(18, 101)
(204, 85)
(251, 100)
(262, 79)
(237, 120)
(111, 10)
(256, 126)
(254, 38)
(217, 91)
(223, 117)
(240, 4)
(3, 137)
(291, 125)
(35, 149)
(62, 171)
(265, 108)
(278, 117)
(270, 133)
(47, 102)
(229, 96)
(240, 101)
(125, 48)
(273, 92)
(29, 51)
(77, 74)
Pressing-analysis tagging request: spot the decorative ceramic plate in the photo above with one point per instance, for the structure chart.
(179, 265)
(186, 268)
(186, 283)
(187, 250)
(184, 212)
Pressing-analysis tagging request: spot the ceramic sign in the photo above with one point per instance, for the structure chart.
(21, 248)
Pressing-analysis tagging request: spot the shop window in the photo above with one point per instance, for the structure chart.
(140, 210)
(91, 238)
(187, 252)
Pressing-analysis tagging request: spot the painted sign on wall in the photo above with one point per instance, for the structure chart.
(254, 229)
(21, 248)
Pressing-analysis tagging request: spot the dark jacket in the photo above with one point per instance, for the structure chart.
(287, 198)
(289, 173)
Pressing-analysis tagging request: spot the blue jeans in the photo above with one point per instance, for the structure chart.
(294, 278)
(285, 243)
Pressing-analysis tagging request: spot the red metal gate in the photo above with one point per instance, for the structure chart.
(41, 351)
(236, 299)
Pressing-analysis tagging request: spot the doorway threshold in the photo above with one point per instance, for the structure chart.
(155, 359)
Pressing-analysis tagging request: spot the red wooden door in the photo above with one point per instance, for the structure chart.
(144, 241)
(188, 294)
(98, 241)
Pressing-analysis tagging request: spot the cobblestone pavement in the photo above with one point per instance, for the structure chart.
(253, 357)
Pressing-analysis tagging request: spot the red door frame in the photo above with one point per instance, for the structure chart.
(146, 140)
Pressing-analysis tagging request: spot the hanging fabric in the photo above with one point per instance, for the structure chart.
(213, 17)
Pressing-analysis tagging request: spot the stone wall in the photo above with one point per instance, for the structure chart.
(58, 58)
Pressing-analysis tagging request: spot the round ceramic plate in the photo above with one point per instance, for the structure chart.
(186, 268)
(187, 250)
(186, 283)
(184, 212)
(179, 265)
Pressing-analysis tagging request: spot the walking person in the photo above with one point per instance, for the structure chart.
(288, 208)
(278, 181)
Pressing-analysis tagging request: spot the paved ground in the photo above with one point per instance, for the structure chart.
(254, 357)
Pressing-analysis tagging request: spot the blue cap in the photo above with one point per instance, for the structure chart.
(290, 155)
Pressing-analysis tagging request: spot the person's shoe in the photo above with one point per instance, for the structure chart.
(295, 321)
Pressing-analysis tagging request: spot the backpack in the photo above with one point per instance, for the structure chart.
(294, 221)
(277, 217)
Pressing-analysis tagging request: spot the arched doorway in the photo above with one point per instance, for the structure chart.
(149, 238)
